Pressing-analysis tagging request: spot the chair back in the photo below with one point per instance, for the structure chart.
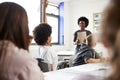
(44, 66)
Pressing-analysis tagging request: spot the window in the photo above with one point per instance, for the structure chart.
(54, 18)
(52, 13)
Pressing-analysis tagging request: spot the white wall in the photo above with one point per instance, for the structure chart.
(73, 10)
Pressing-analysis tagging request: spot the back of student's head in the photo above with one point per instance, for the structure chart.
(91, 40)
(14, 24)
(41, 33)
(111, 35)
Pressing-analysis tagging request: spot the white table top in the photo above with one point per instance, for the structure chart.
(97, 69)
(66, 53)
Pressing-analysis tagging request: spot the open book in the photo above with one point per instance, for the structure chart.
(81, 36)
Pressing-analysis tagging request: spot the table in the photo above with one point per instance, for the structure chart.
(65, 55)
(96, 69)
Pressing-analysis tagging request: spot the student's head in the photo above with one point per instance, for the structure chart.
(111, 24)
(111, 35)
(83, 22)
(42, 34)
(91, 40)
(14, 24)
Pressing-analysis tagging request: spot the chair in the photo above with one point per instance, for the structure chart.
(71, 60)
(44, 66)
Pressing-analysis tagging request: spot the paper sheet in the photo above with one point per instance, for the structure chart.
(81, 36)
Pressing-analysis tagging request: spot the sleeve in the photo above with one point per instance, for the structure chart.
(54, 55)
(88, 33)
(35, 70)
(49, 56)
(30, 71)
(25, 67)
(87, 55)
(75, 36)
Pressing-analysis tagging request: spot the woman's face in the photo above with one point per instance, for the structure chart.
(82, 24)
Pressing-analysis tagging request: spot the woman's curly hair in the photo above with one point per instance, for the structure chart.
(84, 19)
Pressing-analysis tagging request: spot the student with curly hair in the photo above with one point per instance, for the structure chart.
(42, 36)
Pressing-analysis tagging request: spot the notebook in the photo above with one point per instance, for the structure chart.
(81, 36)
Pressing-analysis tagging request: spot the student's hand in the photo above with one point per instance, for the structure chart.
(104, 59)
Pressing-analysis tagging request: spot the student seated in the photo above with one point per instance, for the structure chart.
(15, 60)
(42, 36)
(111, 36)
(87, 54)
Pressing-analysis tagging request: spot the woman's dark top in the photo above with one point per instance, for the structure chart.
(75, 34)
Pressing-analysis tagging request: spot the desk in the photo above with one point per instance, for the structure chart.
(97, 69)
(65, 55)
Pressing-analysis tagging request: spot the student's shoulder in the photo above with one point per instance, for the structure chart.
(87, 51)
(24, 64)
(48, 49)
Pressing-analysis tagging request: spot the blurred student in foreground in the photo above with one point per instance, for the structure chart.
(42, 36)
(111, 36)
(15, 60)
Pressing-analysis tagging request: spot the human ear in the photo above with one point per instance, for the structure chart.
(49, 40)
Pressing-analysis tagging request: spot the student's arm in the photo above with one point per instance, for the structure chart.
(51, 59)
(88, 57)
(92, 60)
(103, 59)
(75, 37)
(51, 67)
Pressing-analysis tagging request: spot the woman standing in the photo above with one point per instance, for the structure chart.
(82, 23)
